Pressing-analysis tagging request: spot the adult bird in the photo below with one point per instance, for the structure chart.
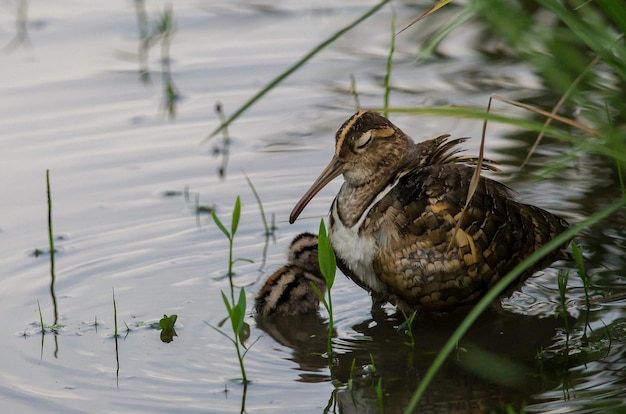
(394, 225)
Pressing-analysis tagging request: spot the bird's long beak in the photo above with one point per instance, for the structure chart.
(332, 170)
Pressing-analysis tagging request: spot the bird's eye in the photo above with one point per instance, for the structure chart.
(363, 140)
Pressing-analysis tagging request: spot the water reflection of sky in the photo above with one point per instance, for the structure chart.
(73, 102)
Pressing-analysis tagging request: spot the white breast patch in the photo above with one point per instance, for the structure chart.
(356, 251)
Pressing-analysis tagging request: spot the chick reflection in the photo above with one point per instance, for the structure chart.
(306, 336)
(287, 307)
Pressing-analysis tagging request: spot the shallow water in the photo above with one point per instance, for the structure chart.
(74, 103)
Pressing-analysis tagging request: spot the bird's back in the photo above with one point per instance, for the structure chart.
(416, 221)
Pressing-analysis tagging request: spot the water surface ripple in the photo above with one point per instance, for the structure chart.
(126, 177)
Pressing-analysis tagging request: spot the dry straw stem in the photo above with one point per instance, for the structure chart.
(434, 8)
(476, 176)
(556, 108)
(474, 181)
(560, 103)
(549, 115)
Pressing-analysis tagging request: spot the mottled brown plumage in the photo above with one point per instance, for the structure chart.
(288, 291)
(394, 217)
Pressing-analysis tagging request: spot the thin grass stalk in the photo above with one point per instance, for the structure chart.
(351, 376)
(268, 232)
(431, 45)
(230, 235)
(50, 233)
(562, 279)
(293, 68)
(144, 40)
(244, 377)
(52, 250)
(482, 114)
(432, 9)
(618, 164)
(355, 92)
(115, 334)
(237, 325)
(234, 223)
(43, 330)
(392, 48)
(331, 406)
(21, 37)
(331, 324)
(473, 182)
(577, 253)
(244, 395)
(225, 140)
(236, 313)
(621, 177)
(409, 327)
(557, 107)
(495, 291)
(230, 269)
(548, 115)
(328, 267)
(379, 395)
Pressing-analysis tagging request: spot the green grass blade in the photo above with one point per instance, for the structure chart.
(320, 295)
(221, 332)
(52, 250)
(237, 313)
(616, 10)
(598, 145)
(219, 224)
(115, 334)
(241, 303)
(243, 329)
(495, 291)
(596, 38)
(620, 176)
(293, 68)
(577, 252)
(431, 44)
(258, 200)
(50, 233)
(227, 303)
(235, 219)
(43, 329)
(326, 256)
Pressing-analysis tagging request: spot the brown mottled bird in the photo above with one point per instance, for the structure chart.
(394, 217)
(288, 291)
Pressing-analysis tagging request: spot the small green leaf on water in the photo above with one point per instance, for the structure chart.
(168, 322)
